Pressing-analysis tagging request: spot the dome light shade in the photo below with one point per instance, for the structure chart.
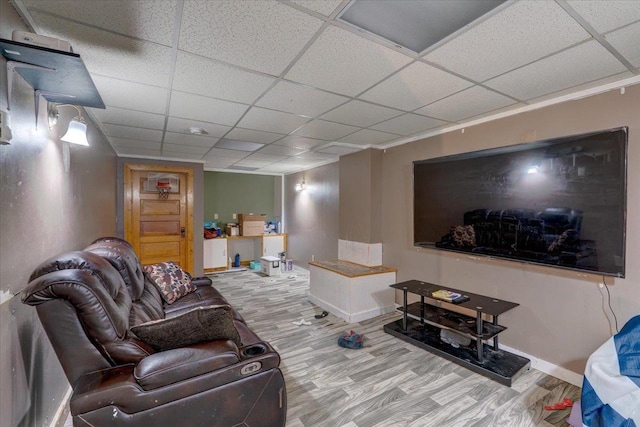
(77, 133)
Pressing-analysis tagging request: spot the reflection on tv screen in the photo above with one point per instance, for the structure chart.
(559, 202)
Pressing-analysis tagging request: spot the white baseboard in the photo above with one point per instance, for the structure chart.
(350, 317)
(60, 417)
(548, 367)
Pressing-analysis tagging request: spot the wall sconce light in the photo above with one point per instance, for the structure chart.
(77, 130)
(301, 185)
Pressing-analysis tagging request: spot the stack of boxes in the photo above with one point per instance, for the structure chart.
(252, 224)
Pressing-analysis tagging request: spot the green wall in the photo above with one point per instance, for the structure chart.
(228, 193)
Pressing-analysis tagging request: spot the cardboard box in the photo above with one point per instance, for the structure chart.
(270, 265)
(251, 224)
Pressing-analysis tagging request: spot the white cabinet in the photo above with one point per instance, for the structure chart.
(215, 253)
(272, 245)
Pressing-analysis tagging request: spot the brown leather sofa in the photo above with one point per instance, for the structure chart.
(88, 300)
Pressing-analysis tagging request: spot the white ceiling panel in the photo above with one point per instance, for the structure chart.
(417, 85)
(607, 15)
(254, 135)
(188, 105)
(184, 149)
(129, 132)
(121, 116)
(271, 121)
(468, 103)
(264, 35)
(342, 62)
(581, 64)
(519, 34)
(226, 154)
(131, 95)
(329, 131)
(627, 42)
(362, 114)
(277, 168)
(111, 54)
(130, 151)
(324, 7)
(253, 163)
(179, 125)
(203, 76)
(144, 19)
(181, 156)
(219, 162)
(281, 150)
(135, 143)
(408, 124)
(368, 136)
(315, 156)
(300, 142)
(263, 157)
(185, 139)
(338, 150)
(234, 144)
(295, 98)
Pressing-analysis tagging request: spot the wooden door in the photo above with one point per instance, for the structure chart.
(158, 209)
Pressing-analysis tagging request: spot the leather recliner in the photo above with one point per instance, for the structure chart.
(88, 300)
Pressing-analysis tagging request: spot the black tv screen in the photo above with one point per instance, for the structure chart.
(558, 202)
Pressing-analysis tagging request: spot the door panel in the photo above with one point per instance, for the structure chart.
(159, 226)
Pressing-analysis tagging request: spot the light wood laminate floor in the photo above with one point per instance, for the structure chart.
(388, 382)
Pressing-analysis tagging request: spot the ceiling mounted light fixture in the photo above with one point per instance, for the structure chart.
(197, 131)
(77, 130)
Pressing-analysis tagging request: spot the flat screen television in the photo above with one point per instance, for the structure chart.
(558, 202)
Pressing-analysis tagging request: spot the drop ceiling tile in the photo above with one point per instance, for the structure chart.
(342, 62)
(244, 168)
(338, 150)
(130, 151)
(282, 150)
(121, 116)
(607, 15)
(329, 131)
(215, 153)
(521, 33)
(253, 163)
(408, 124)
(314, 155)
(130, 132)
(277, 168)
(358, 113)
(271, 121)
(626, 41)
(233, 144)
(179, 125)
(254, 135)
(130, 95)
(219, 162)
(262, 157)
(417, 85)
(581, 64)
(324, 7)
(203, 76)
(300, 142)
(262, 35)
(110, 54)
(185, 139)
(368, 136)
(299, 99)
(205, 109)
(184, 149)
(145, 19)
(135, 143)
(181, 156)
(468, 103)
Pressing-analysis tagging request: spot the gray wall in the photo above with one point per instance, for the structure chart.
(311, 216)
(361, 196)
(198, 203)
(562, 317)
(44, 211)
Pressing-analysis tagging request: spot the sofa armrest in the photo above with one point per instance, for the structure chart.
(171, 366)
(201, 281)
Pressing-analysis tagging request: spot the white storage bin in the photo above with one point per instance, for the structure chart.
(270, 265)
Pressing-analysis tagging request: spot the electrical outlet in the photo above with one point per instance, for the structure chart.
(601, 285)
(215, 216)
(235, 216)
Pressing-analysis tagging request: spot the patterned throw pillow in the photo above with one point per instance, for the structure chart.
(171, 281)
(214, 322)
(463, 235)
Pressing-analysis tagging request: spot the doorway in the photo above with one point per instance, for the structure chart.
(158, 213)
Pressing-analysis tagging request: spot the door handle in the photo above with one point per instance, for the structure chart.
(181, 231)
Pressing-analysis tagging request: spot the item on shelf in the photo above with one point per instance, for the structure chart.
(251, 224)
(448, 296)
(454, 338)
(232, 229)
